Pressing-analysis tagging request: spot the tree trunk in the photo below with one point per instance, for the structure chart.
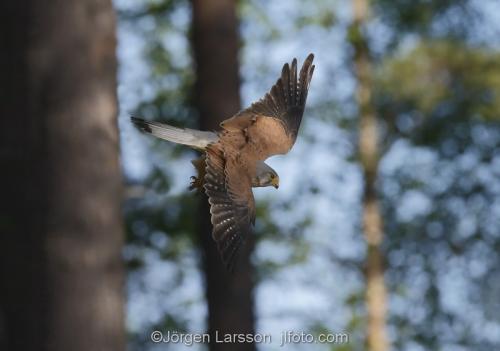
(60, 219)
(215, 41)
(376, 338)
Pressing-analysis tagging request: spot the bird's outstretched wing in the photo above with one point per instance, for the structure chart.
(229, 190)
(273, 122)
(268, 127)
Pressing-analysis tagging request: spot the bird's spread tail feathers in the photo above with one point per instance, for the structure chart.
(194, 138)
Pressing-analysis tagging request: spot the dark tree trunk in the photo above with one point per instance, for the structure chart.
(376, 305)
(60, 221)
(215, 42)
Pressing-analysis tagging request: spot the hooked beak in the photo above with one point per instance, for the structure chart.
(275, 182)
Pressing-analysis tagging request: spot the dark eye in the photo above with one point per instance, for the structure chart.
(272, 176)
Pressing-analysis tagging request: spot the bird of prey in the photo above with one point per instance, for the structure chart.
(233, 158)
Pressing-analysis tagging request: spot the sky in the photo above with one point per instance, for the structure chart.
(297, 297)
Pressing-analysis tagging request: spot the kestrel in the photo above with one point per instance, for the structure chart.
(233, 159)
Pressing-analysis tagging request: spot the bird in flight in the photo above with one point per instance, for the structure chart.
(233, 158)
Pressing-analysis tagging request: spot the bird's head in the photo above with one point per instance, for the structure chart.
(266, 176)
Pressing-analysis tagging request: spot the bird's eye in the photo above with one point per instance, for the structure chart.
(272, 176)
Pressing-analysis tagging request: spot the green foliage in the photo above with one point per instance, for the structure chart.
(322, 17)
(437, 73)
(438, 98)
(421, 91)
(418, 16)
(437, 95)
(444, 95)
(155, 8)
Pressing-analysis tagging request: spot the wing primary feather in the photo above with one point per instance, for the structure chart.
(287, 98)
(285, 83)
(293, 83)
(285, 102)
(305, 78)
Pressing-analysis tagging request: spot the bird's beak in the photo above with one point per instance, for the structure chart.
(275, 182)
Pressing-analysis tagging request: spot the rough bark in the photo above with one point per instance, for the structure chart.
(376, 338)
(215, 43)
(60, 219)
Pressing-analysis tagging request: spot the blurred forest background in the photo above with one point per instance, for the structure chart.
(386, 225)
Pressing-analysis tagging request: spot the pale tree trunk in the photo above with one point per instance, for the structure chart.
(215, 42)
(61, 235)
(376, 305)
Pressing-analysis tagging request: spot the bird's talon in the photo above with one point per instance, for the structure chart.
(196, 183)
